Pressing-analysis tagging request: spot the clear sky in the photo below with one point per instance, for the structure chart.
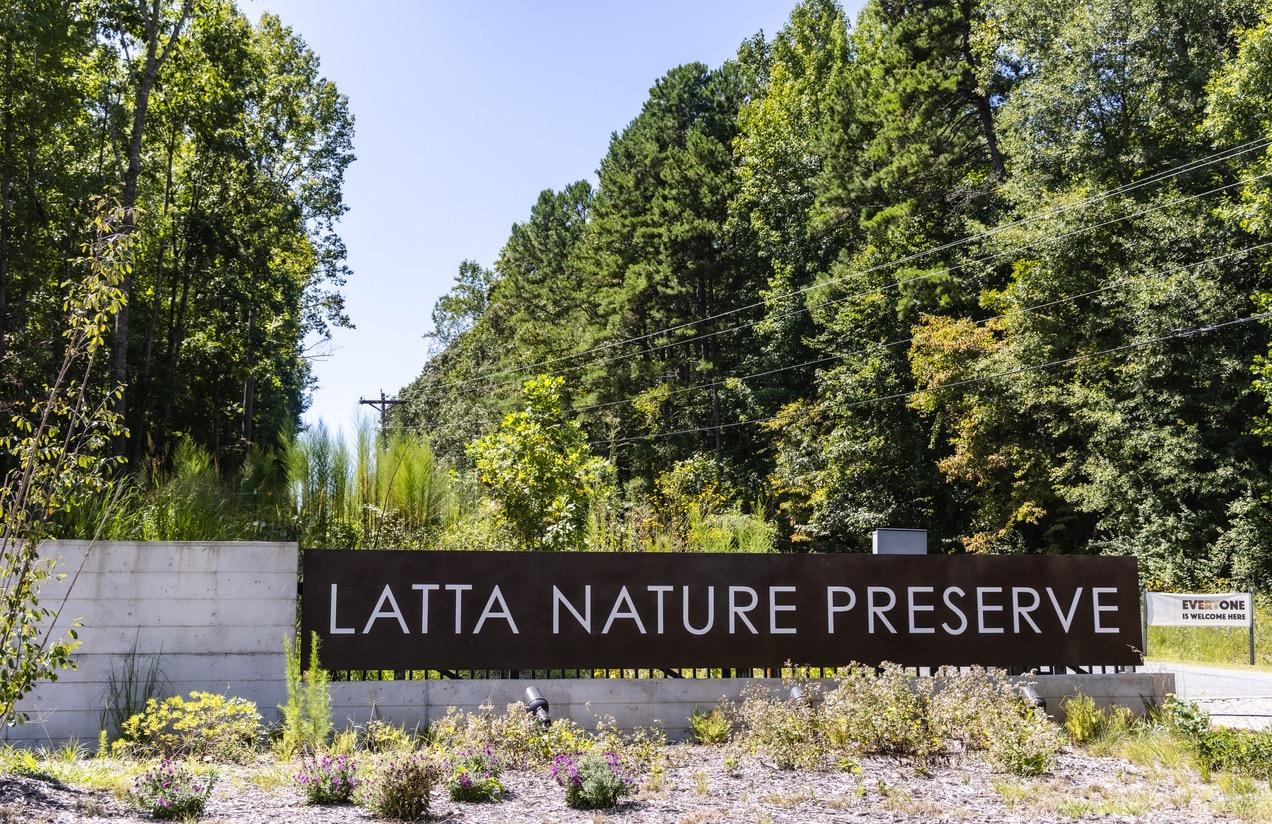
(465, 111)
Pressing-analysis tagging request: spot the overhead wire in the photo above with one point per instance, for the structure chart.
(878, 290)
(1139, 344)
(719, 382)
(1217, 157)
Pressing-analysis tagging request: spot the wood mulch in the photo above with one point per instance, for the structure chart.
(697, 789)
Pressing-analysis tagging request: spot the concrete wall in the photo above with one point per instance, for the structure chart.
(642, 701)
(214, 614)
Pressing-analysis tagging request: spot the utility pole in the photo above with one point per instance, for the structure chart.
(382, 405)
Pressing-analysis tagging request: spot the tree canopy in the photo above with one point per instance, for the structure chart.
(979, 266)
(227, 148)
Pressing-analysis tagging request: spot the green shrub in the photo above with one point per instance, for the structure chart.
(1186, 718)
(381, 736)
(595, 781)
(474, 776)
(521, 740)
(642, 749)
(790, 734)
(402, 788)
(1024, 744)
(330, 779)
(307, 713)
(964, 706)
(1248, 752)
(1083, 720)
(883, 712)
(171, 790)
(204, 724)
(713, 727)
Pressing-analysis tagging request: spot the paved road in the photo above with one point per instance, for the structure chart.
(1233, 697)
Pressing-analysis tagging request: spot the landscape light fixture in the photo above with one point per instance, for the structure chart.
(797, 694)
(537, 705)
(1033, 699)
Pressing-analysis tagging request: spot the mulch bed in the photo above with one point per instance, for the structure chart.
(696, 789)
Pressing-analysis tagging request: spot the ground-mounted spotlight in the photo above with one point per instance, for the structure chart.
(797, 694)
(537, 705)
(1033, 699)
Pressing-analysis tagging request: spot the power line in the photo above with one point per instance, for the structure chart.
(1178, 333)
(881, 346)
(1217, 157)
(878, 290)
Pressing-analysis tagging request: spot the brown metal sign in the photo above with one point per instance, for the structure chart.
(403, 609)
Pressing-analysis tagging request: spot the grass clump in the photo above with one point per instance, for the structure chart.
(711, 727)
(1023, 743)
(401, 789)
(380, 736)
(885, 711)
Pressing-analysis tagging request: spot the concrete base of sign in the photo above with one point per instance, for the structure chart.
(644, 701)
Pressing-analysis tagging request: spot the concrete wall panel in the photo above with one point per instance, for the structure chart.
(212, 614)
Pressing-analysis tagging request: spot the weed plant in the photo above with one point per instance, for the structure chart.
(327, 779)
(594, 781)
(402, 788)
(171, 791)
(473, 775)
(711, 727)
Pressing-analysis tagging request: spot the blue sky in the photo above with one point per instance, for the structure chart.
(465, 112)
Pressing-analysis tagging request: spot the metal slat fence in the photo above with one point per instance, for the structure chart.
(676, 672)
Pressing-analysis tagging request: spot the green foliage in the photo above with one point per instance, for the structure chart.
(327, 779)
(789, 259)
(1083, 720)
(57, 455)
(402, 788)
(473, 775)
(171, 791)
(307, 713)
(792, 735)
(1024, 743)
(203, 724)
(129, 691)
(593, 781)
(1185, 718)
(229, 149)
(1247, 752)
(390, 491)
(380, 736)
(711, 727)
(539, 471)
(885, 711)
(520, 740)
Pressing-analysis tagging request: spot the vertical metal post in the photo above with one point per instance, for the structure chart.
(1144, 617)
(1251, 602)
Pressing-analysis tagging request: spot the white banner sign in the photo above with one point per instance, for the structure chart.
(1225, 609)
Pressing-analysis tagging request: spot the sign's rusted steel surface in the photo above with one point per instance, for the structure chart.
(400, 609)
